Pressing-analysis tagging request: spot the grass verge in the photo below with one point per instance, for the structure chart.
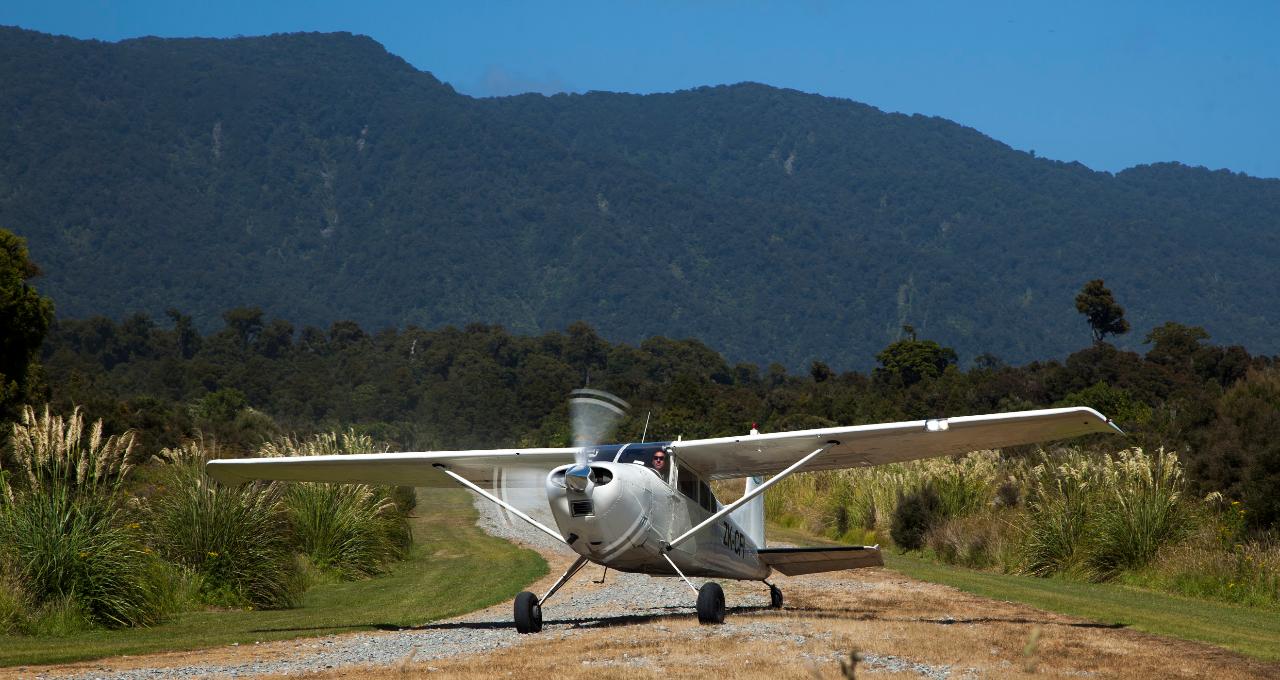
(1254, 632)
(453, 568)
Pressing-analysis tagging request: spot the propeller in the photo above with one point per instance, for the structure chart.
(593, 417)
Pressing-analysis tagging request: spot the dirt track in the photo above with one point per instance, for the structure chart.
(900, 628)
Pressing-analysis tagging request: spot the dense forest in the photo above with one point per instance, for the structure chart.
(483, 386)
(318, 177)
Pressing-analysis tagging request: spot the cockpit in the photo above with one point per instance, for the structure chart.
(656, 457)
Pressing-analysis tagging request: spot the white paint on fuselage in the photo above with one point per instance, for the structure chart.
(636, 513)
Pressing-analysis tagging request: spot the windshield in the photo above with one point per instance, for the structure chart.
(653, 456)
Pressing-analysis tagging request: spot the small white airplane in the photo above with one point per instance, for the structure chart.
(646, 507)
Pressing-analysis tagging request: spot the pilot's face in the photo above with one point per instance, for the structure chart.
(660, 460)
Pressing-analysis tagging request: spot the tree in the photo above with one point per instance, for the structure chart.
(910, 361)
(184, 330)
(24, 320)
(1099, 306)
(1175, 345)
(245, 323)
(819, 371)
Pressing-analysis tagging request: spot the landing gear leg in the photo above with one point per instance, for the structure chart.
(775, 597)
(710, 603)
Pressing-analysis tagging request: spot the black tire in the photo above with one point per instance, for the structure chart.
(710, 603)
(528, 613)
(775, 597)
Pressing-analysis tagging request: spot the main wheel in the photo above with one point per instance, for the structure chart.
(710, 603)
(528, 613)
(775, 597)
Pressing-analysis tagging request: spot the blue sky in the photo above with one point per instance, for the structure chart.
(1109, 84)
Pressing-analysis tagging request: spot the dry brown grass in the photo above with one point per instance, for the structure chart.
(877, 613)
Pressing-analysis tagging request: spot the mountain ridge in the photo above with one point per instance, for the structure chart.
(321, 177)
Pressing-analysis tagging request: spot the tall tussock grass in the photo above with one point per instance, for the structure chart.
(78, 550)
(859, 504)
(67, 541)
(350, 530)
(1082, 514)
(235, 539)
(1096, 516)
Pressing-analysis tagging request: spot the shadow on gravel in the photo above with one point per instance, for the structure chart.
(674, 612)
(581, 622)
(863, 615)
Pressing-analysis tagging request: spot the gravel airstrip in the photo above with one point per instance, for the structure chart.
(639, 626)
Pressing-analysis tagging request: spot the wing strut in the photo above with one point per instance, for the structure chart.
(507, 506)
(749, 495)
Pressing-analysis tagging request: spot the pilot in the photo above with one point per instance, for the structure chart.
(660, 463)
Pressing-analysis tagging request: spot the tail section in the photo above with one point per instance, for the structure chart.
(750, 517)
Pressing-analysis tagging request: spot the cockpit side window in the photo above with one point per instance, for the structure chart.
(697, 490)
(705, 498)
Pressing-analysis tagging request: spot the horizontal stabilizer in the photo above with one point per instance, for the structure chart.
(795, 561)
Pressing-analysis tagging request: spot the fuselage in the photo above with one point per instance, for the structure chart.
(624, 512)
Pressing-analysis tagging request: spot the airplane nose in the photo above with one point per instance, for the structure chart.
(578, 478)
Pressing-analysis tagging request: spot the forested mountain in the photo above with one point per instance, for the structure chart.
(321, 178)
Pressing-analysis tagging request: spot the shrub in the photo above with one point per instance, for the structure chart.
(1139, 512)
(14, 605)
(236, 540)
(63, 528)
(981, 541)
(1097, 515)
(916, 513)
(1245, 573)
(351, 530)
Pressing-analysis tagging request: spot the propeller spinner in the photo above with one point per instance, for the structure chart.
(593, 416)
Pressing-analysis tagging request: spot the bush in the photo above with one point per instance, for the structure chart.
(1098, 515)
(983, 541)
(916, 513)
(236, 540)
(351, 530)
(63, 529)
(15, 606)
(1139, 511)
(1245, 573)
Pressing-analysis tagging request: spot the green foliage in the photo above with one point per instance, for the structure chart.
(1174, 344)
(988, 540)
(909, 361)
(14, 605)
(352, 530)
(24, 319)
(1098, 516)
(916, 513)
(1099, 306)
(236, 540)
(1241, 454)
(1116, 403)
(64, 529)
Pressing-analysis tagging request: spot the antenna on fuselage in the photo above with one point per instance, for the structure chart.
(646, 426)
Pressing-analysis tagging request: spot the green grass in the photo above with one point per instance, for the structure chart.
(453, 568)
(1255, 632)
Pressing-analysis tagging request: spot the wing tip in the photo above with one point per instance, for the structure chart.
(1107, 422)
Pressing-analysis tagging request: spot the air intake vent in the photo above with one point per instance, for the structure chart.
(580, 508)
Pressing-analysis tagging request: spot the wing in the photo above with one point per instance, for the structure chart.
(509, 468)
(867, 445)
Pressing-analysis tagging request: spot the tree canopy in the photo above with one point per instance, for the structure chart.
(1099, 306)
(24, 319)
